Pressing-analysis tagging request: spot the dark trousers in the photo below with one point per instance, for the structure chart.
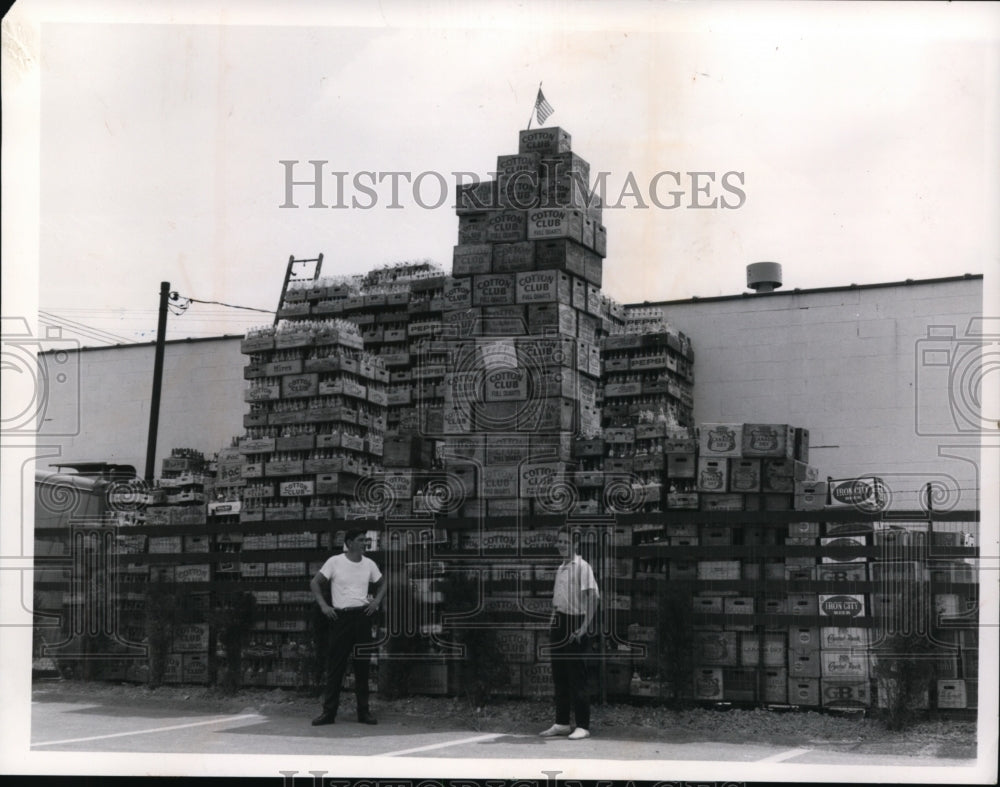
(351, 628)
(569, 671)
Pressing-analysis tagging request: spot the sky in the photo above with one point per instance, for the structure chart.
(861, 144)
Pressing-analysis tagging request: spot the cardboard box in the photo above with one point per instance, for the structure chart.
(842, 605)
(803, 663)
(805, 604)
(710, 501)
(472, 228)
(713, 475)
(554, 223)
(775, 649)
(194, 668)
(716, 647)
(428, 678)
(952, 694)
(739, 606)
(718, 569)
(744, 475)
(845, 693)
(518, 646)
(544, 141)
(476, 197)
(845, 664)
(720, 441)
(768, 441)
(810, 529)
(810, 496)
(514, 257)
(776, 685)
(474, 259)
(739, 685)
(505, 226)
(844, 638)
(536, 679)
(681, 466)
(495, 289)
(803, 691)
(804, 638)
(708, 683)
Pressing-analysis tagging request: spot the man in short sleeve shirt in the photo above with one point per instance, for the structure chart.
(341, 588)
(574, 602)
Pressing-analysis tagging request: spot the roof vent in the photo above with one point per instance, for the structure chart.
(764, 276)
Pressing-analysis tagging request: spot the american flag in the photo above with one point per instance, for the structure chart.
(542, 108)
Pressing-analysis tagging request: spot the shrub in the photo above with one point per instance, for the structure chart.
(903, 668)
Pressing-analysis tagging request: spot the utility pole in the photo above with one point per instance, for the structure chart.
(154, 403)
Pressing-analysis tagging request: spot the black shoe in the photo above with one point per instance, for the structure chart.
(324, 718)
(366, 718)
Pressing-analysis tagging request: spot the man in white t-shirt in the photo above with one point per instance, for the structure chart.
(574, 602)
(341, 588)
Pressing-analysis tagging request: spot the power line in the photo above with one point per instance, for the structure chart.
(176, 298)
(46, 318)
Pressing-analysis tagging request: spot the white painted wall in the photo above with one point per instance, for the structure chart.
(848, 365)
(201, 402)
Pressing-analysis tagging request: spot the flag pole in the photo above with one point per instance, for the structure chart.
(534, 108)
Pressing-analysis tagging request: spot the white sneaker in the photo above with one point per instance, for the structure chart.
(556, 729)
(579, 733)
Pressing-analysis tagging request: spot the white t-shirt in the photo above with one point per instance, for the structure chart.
(573, 578)
(349, 580)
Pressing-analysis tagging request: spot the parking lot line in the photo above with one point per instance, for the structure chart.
(444, 745)
(154, 729)
(784, 755)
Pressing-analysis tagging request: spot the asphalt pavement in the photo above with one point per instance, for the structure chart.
(66, 725)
